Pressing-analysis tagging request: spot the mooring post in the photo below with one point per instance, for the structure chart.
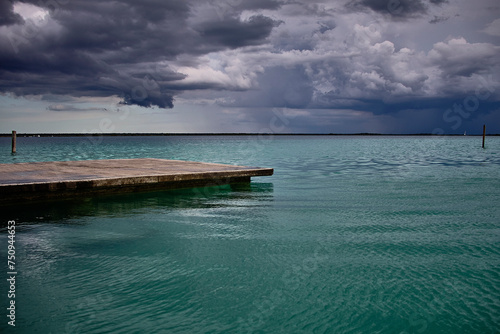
(484, 133)
(14, 141)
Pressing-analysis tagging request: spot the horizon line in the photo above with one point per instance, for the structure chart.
(116, 134)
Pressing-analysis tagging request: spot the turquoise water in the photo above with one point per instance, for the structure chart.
(350, 235)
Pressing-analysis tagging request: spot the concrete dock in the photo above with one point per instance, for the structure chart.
(61, 179)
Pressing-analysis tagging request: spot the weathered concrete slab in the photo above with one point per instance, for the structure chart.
(41, 180)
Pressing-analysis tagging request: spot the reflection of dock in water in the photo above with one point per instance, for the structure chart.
(254, 194)
(63, 179)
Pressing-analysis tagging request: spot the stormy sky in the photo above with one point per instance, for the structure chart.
(276, 66)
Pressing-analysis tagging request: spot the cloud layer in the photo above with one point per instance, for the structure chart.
(375, 56)
(124, 48)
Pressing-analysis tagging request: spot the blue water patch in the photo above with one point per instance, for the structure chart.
(350, 235)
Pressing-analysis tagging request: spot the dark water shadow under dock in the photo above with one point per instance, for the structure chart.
(126, 204)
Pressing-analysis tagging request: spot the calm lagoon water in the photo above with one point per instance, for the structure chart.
(351, 235)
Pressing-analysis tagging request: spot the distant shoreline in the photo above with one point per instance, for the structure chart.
(225, 134)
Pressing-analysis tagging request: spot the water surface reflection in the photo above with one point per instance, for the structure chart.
(121, 205)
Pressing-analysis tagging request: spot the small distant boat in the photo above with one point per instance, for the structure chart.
(465, 133)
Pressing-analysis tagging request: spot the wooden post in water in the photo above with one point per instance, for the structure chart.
(14, 135)
(484, 133)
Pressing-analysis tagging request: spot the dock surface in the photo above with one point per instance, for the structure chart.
(41, 180)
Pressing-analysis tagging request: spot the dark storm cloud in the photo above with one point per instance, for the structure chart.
(100, 48)
(234, 33)
(261, 4)
(7, 15)
(325, 57)
(397, 9)
(236, 6)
